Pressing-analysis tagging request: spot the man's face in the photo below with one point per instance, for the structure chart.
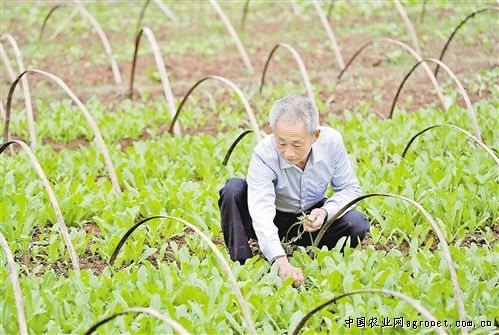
(293, 142)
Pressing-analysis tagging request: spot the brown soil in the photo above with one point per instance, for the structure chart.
(97, 264)
(92, 228)
(390, 244)
(61, 267)
(476, 237)
(210, 128)
(186, 69)
(371, 78)
(77, 143)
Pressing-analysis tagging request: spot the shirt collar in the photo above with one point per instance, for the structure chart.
(318, 152)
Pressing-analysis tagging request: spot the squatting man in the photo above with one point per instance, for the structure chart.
(288, 174)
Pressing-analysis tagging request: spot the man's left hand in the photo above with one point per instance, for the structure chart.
(315, 220)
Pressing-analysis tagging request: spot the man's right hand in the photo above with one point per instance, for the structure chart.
(287, 270)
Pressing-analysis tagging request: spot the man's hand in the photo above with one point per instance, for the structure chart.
(315, 220)
(288, 270)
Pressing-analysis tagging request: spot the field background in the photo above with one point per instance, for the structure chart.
(170, 268)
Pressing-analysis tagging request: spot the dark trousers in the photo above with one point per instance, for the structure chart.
(237, 227)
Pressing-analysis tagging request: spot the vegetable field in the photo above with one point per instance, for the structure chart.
(122, 120)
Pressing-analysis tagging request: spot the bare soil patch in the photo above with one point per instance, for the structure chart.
(373, 78)
(97, 263)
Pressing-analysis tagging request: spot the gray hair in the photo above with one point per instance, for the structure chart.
(295, 108)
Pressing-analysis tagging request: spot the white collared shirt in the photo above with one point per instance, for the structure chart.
(274, 184)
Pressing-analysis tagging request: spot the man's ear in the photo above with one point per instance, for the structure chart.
(316, 134)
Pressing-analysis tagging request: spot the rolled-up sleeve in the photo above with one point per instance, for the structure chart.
(345, 184)
(261, 205)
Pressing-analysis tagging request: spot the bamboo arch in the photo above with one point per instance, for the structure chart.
(408, 49)
(299, 62)
(98, 29)
(6, 63)
(440, 235)
(88, 117)
(245, 13)
(408, 24)
(24, 83)
(167, 90)
(52, 198)
(236, 89)
(414, 303)
(18, 298)
(235, 37)
(232, 279)
(330, 34)
(451, 126)
(164, 8)
(147, 310)
(457, 28)
(462, 91)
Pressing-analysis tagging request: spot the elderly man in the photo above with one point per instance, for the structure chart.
(288, 174)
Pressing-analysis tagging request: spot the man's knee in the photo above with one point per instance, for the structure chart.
(234, 188)
(357, 223)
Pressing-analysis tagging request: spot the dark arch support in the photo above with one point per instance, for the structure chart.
(414, 303)
(245, 13)
(404, 46)
(160, 65)
(127, 235)
(170, 322)
(233, 146)
(429, 218)
(52, 198)
(161, 6)
(24, 82)
(90, 120)
(182, 103)
(457, 28)
(451, 126)
(134, 61)
(247, 107)
(225, 265)
(8, 106)
(395, 98)
(298, 60)
(354, 56)
(460, 86)
(141, 17)
(45, 20)
(78, 7)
